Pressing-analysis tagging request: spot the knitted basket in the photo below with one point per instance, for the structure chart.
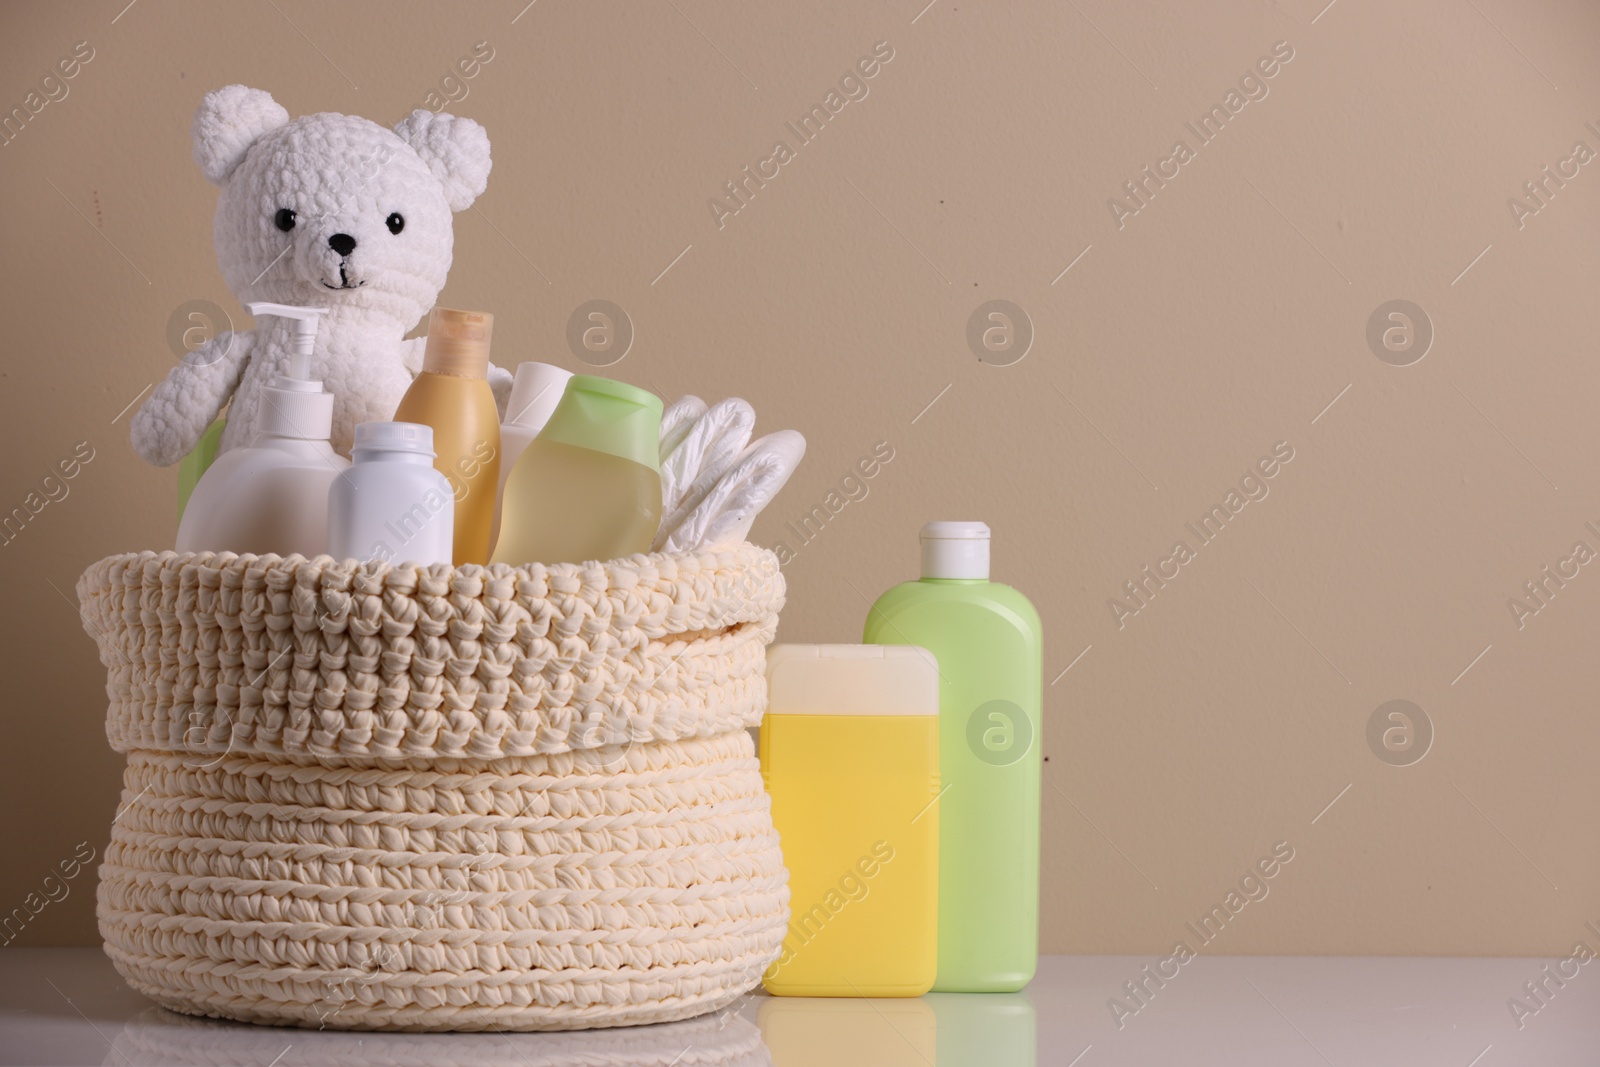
(431, 798)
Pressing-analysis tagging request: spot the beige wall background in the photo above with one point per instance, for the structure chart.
(1168, 354)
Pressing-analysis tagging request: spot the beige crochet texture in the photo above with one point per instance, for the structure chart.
(399, 798)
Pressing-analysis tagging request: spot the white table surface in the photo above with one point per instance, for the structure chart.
(67, 1006)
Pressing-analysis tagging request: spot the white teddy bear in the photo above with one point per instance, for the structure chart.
(328, 211)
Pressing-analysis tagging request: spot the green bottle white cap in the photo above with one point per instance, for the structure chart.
(955, 550)
(608, 416)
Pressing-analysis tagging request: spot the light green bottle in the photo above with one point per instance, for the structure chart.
(589, 486)
(989, 645)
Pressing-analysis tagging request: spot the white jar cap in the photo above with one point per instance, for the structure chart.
(535, 392)
(411, 437)
(955, 550)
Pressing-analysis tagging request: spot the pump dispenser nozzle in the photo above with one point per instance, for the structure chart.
(295, 405)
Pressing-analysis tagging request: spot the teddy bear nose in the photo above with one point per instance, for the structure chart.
(342, 243)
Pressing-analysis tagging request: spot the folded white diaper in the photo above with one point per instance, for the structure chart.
(676, 422)
(725, 513)
(688, 472)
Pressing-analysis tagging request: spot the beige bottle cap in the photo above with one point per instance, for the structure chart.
(458, 343)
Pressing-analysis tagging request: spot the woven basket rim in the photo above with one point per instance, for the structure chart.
(289, 655)
(638, 559)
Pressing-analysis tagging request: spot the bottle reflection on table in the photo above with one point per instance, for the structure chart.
(942, 1029)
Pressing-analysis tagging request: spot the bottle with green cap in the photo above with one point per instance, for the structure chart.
(589, 486)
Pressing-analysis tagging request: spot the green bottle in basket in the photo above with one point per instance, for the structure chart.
(989, 644)
(194, 466)
(589, 486)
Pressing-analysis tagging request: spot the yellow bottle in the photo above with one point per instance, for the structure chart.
(589, 486)
(850, 754)
(452, 395)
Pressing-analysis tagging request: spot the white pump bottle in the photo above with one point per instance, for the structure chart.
(272, 497)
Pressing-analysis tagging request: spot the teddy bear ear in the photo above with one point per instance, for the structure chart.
(227, 123)
(455, 149)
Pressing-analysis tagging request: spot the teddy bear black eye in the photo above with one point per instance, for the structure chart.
(284, 219)
(395, 222)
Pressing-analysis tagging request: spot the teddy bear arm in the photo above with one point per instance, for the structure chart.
(411, 351)
(172, 420)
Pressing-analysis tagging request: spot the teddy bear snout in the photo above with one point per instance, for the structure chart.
(336, 263)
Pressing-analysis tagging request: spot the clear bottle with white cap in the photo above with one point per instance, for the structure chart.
(989, 644)
(272, 496)
(392, 505)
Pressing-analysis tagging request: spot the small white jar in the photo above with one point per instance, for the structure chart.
(391, 504)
